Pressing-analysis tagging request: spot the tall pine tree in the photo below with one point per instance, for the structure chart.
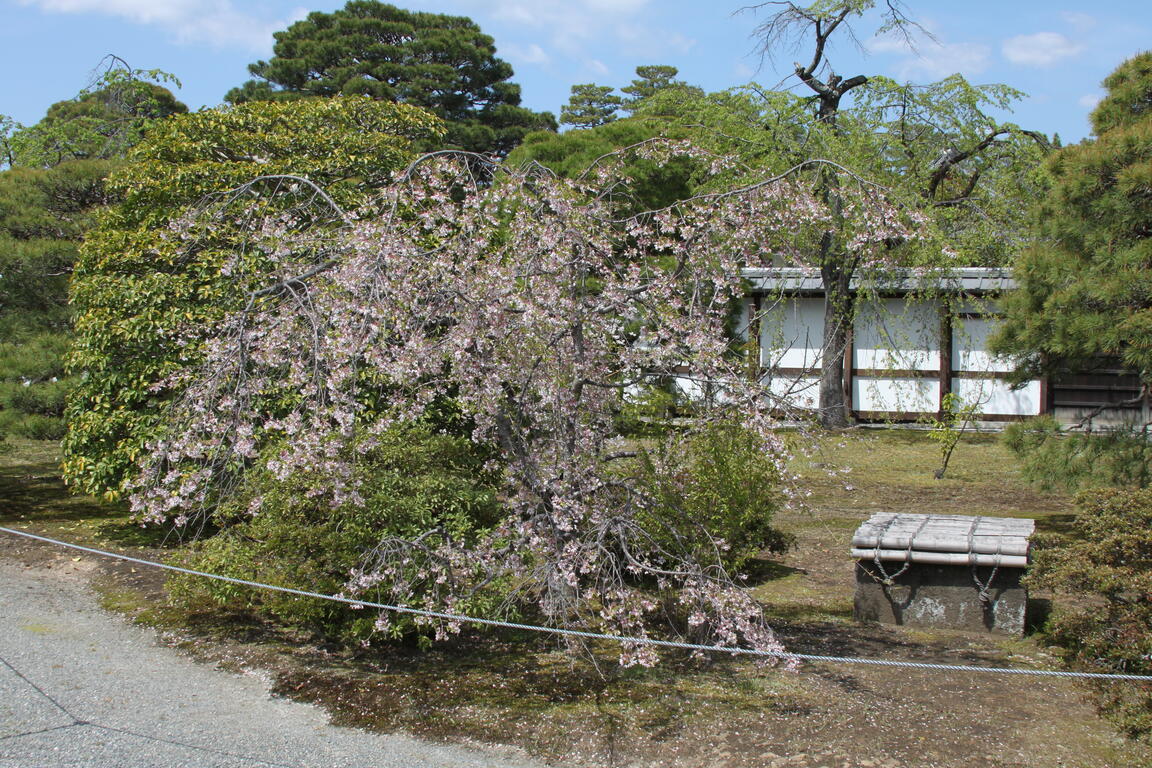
(1086, 285)
(442, 63)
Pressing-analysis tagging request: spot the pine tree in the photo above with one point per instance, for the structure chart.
(1086, 285)
(590, 105)
(443, 63)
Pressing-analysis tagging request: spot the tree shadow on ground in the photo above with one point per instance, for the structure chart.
(34, 489)
(1057, 524)
(33, 493)
(762, 570)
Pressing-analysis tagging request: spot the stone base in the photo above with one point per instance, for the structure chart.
(942, 596)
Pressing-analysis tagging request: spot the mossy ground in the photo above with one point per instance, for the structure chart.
(526, 691)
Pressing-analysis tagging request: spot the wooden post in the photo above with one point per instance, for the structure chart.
(849, 360)
(945, 354)
(755, 351)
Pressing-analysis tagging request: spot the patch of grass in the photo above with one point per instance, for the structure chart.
(36, 498)
(32, 490)
(893, 470)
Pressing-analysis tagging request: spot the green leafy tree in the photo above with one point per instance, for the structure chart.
(569, 154)
(1085, 286)
(869, 136)
(948, 426)
(443, 63)
(48, 201)
(590, 105)
(43, 215)
(1053, 458)
(102, 122)
(653, 79)
(8, 129)
(947, 145)
(138, 296)
(650, 78)
(1105, 566)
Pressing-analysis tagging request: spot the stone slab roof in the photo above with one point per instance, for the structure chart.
(944, 539)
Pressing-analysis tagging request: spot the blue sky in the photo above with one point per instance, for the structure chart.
(1056, 53)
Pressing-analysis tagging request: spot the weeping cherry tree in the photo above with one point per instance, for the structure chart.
(535, 308)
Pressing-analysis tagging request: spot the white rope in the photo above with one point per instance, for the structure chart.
(734, 650)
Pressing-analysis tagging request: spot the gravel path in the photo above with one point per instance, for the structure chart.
(79, 687)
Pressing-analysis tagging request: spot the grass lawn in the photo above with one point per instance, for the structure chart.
(526, 692)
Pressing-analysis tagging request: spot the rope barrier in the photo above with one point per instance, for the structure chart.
(731, 650)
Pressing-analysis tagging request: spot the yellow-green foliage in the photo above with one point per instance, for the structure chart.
(136, 287)
(720, 481)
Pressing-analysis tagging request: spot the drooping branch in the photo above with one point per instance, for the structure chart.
(951, 158)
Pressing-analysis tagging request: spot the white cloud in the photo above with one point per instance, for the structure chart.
(1089, 100)
(679, 42)
(1081, 22)
(615, 6)
(213, 21)
(1042, 49)
(529, 54)
(890, 43)
(641, 40)
(576, 27)
(597, 66)
(931, 58)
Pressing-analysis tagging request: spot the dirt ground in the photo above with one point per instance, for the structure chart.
(527, 692)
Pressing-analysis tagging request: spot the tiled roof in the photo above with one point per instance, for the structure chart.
(972, 280)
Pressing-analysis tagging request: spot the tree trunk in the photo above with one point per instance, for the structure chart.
(838, 316)
(836, 269)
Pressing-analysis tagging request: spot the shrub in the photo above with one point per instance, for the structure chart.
(33, 386)
(42, 397)
(1106, 567)
(1054, 459)
(714, 485)
(33, 426)
(413, 481)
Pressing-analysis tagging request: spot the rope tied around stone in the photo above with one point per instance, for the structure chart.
(983, 588)
(889, 580)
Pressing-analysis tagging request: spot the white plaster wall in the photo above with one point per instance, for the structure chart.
(997, 398)
(970, 344)
(894, 335)
(691, 389)
(795, 392)
(791, 333)
(902, 395)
